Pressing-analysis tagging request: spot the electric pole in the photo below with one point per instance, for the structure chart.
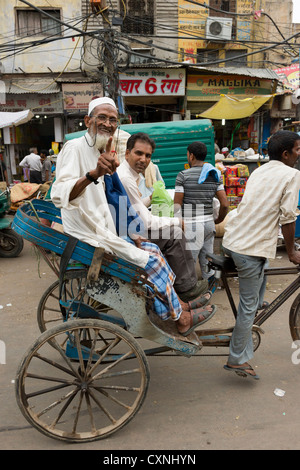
(111, 75)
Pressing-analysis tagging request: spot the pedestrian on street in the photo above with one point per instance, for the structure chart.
(33, 162)
(251, 232)
(46, 166)
(195, 190)
(225, 152)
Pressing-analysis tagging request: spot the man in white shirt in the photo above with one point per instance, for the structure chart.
(79, 190)
(165, 232)
(251, 232)
(33, 162)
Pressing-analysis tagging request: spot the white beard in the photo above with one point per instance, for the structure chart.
(101, 141)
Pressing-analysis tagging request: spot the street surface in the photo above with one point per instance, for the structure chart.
(191, 404)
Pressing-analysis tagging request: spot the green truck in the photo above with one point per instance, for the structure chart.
(172, 139)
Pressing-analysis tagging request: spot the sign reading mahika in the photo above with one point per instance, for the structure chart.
(152, 82)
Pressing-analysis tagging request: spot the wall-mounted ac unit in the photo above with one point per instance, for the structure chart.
(218, 29)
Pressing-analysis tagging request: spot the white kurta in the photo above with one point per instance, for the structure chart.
(88, 217)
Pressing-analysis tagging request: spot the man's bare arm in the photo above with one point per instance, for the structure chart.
(288, 232)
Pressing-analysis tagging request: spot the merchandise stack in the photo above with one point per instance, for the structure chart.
(234, 179)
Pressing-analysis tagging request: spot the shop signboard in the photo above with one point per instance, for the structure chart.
(289, 76)
(210, 87)
(76, 96)
(152, 82)
(38, 103)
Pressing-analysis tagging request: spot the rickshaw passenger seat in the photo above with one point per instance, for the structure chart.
(225, 263)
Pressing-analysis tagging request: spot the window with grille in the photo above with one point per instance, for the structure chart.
(236, 62)
(138, 16)
(32, 22)
(220, 6)
(207, 55)
(225, 5)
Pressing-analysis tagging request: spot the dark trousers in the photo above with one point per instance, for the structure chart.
(35, 176)
(172, 243)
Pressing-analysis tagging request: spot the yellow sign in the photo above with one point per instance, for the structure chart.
(210, 87)
(55, 147)
(191, 21)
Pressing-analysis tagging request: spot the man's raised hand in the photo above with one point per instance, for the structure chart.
(107, 161)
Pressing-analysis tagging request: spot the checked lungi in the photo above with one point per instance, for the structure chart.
(162, 276)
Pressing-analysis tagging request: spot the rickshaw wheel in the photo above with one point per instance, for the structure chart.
(48, 311)
(87, 392)
(294, 319)
(256, 339)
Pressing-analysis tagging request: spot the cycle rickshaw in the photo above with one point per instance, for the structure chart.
(87, 374)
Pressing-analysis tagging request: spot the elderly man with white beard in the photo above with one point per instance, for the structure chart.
(79, 191)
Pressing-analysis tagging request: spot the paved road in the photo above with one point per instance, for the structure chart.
(192, 403)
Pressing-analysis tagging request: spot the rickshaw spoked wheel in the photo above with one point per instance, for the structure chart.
(49, 313)
(87, 391)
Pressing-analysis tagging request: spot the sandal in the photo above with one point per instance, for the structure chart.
(242, 371)
(200, 301)
(198, 317)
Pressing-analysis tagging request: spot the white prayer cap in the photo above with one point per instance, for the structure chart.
(98, 101)
(225, 149)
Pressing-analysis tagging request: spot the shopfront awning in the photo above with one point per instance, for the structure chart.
(15, 119)
(233, 108)
(31, 85)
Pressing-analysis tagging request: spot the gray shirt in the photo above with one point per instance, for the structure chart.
(198, 198)
(46, 166)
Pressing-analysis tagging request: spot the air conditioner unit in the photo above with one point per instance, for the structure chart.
(218, 29)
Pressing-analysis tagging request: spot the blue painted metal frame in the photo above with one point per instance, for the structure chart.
(26, 223)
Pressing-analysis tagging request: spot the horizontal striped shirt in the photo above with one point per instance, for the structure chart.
(198, 198)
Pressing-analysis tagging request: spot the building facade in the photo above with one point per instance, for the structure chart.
(160, 60)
